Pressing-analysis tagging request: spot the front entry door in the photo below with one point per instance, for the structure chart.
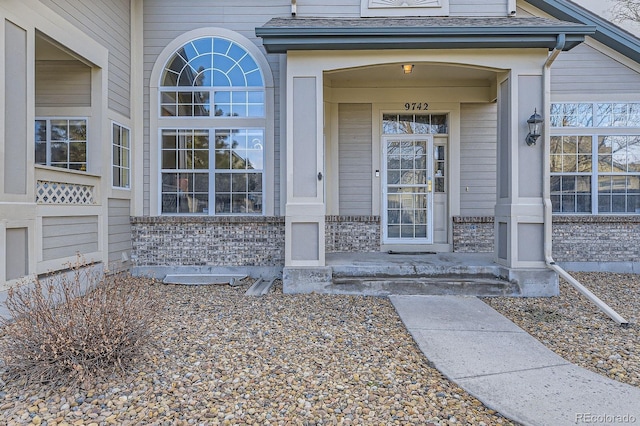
(407, 214)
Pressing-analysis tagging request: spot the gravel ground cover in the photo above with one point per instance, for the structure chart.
(225, 358)
(577, 330)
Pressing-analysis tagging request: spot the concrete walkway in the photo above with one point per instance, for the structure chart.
(509, 370)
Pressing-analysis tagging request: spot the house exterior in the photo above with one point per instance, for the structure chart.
(361, 126)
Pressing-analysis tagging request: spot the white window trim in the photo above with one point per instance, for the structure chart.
(128, 168)
(594, 133)
(48, 143)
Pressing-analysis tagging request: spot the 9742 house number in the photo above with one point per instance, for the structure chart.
(416, 106)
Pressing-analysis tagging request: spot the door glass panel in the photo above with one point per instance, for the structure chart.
(439, 162)
(407, 191)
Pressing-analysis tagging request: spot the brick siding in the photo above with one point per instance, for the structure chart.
(259, 241)
(473, 234)
(575, 238)
(237, 240)
(596, 238)
(208, 241)
(356, 234)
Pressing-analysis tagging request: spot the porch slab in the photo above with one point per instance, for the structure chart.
(469, 274)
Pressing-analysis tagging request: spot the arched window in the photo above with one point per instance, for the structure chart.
(212, 159)
(209, 62)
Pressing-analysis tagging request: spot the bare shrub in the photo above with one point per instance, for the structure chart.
(72, 328)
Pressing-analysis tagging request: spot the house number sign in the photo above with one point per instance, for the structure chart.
(416, 106)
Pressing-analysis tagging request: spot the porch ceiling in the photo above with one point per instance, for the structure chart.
(47, 50)
(283, 34)
(422, 72)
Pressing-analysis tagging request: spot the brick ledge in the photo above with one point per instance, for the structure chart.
(596, 219)
(560, 219)
(334, 218)
(473, 219)
(206, 219)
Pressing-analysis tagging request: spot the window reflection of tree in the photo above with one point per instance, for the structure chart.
(236, 192)
(406, 167)
(414, 124)
(217, 67)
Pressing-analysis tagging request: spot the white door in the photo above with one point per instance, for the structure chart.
(407, 182)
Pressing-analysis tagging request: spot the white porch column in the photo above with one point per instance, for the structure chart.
(519, 218)
(305, 204)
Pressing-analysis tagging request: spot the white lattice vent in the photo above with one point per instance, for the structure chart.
(64, 193)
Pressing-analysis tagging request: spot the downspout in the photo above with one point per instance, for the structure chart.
(546, 194)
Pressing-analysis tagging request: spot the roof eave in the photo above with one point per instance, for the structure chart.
(606, 32)
(283, 39)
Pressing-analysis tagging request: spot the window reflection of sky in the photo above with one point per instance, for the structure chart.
(212, 62)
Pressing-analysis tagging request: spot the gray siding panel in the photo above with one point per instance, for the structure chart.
(68, 235)
(478, 159)
(109, 23)
(355, 159)
(63, 83)
(585, 70)
(119, 232)
(478, 7)
(330, 8)
(304, 155)
(17, 253)
(351, 8)
(15, 110)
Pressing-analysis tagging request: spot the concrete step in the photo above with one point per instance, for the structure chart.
(415, 270)
(452, 285)
(406, 265)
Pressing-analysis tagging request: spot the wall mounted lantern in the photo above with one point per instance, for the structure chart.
(407, 68)
(534, 122)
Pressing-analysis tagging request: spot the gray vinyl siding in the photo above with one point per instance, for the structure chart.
(351, 8)
(584, 70)
(331, 8)
(478, 135)
(68, 235)
(109, 23)
(119, 228)
(164, 20)
(355, 159)
(63, 84)
(478, 7)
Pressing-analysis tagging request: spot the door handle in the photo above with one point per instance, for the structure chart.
(319, 175)
(429, 185)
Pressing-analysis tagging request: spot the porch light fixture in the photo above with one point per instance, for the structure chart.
(534, 123)
(407, 68)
